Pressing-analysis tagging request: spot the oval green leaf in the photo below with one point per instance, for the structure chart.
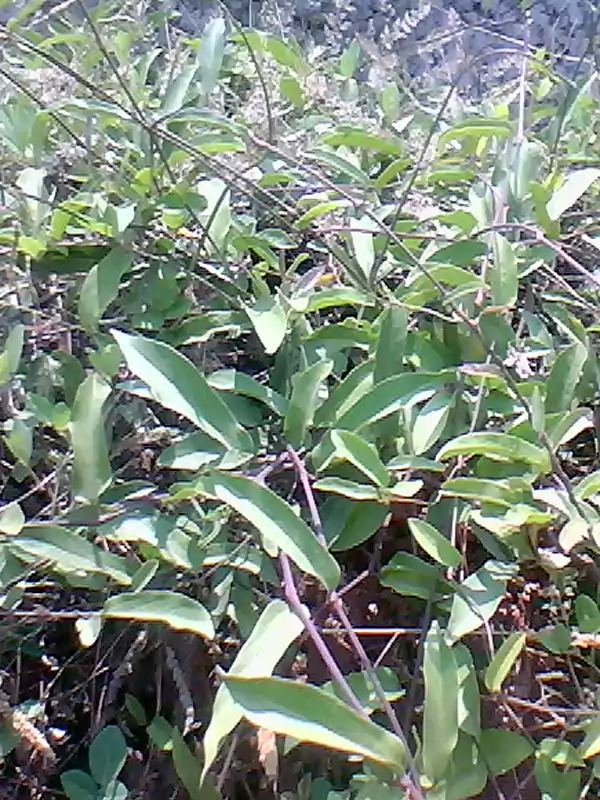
(310, 714)
(278, 523)
(434, 543)
(175, 383)
(176, 610)
(496, 445)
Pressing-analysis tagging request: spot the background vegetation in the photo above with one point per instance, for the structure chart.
(300, 438)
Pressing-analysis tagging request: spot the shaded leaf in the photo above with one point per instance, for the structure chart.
(107, 755)
(11, 354)
(430, 422)
(101, 286)
(564, 376)
(503, 750)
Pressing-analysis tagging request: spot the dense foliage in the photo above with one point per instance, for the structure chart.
(299, 455)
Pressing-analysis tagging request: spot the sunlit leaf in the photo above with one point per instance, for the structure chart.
(176, 384)
(70, 552)
(478, 597)
(310, 714)
(434, 543)
(503, 661)
(576, 185)
(278, 523)
(304, 400)
(176, 610)
(91, 469)
(11, 354)
(440, 713)
(496, 445)
(275, 630)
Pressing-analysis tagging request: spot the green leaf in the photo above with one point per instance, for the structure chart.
(71, 552)
(363, 243)
(304, 400)
(339, 165)
(347, 136)
(275, 630)
(389, 100)
(478, 597)
(576, 185)
(411, 576)
(284, 54)
(431, 421)
(316, 211)
(79, 785)
(363, 520)
(12, 519)
(354, 386)
(503, 750)
(210, 55)
(434, 543)
(199, 450)
(11, 355)
(349, 59)
(564, 376)
(440, 712)
(291, 89)
(590, 747)
(269, 320)
(176, 384)
(504, 278)
(101, 286)
(497, 446)
(91, 469)
(187, 766)
(469, 700)
(346, 488)
(503, 661)
(310, 714)
(231, 380)
(560, 752)
(391, 343)
(176, 610)
(556, 639)
(391, 395)
(350, 447)
(107, 756)
(144, 574)
(476, 128)
(278, 523)
(482, 490)
(588, 614)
